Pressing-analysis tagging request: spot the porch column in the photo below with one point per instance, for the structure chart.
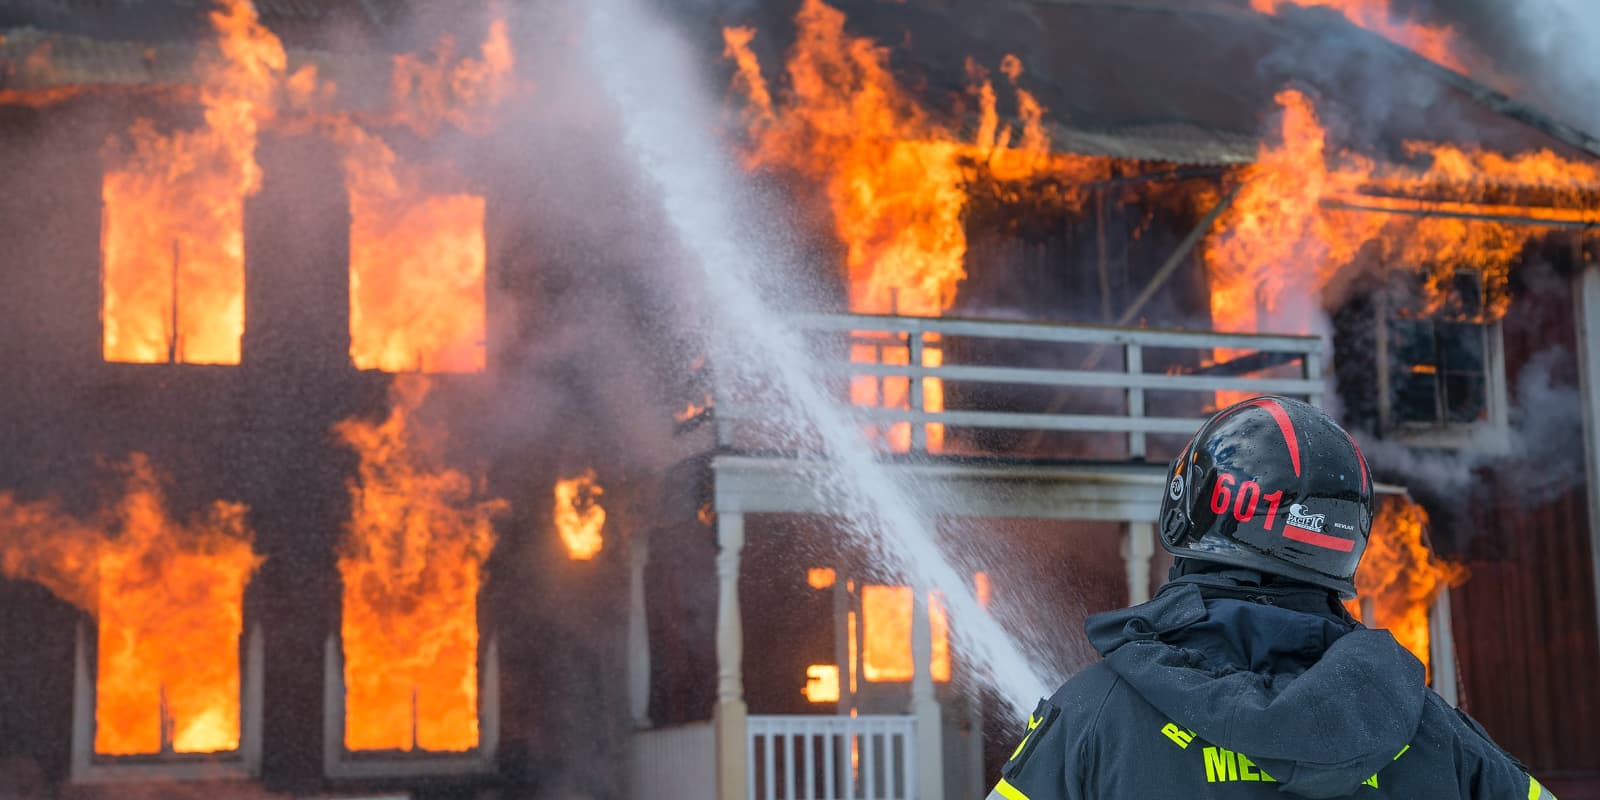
(1138, 547)
(729, 715)
(638, 631)
(1588, 317)
(924, 704)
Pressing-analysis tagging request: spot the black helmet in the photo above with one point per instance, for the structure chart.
(1273, 485)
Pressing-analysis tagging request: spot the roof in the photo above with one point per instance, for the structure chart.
(1193, 81)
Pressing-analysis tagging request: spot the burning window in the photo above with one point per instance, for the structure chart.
(1440, 362)
(168, 601)
(172, 234)
(416, 280)
(886, 655)
(412, 563)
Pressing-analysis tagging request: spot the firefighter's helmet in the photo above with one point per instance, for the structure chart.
(1274, 485)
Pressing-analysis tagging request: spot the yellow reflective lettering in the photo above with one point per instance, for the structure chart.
(1179, 736)
(1247, 768)
(1217, 763)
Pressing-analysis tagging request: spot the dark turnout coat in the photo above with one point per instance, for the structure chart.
(1219, 688)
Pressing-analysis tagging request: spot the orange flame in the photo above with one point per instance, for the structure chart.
(1279, 246)
(886, 634)
(417, 295)
(1401, 575)
(895, 181)
(168, 597)
(579, 518)
(173, 226)
(417, 257)
(820, 577)
(822, 683)
(412, 563)
(1436, 43)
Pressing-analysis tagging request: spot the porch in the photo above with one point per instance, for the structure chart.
(1161, 385)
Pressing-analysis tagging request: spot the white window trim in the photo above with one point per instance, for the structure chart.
(243, 763)
(341, 764)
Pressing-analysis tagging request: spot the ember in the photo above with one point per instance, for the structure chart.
(412, 564)
(168, 598)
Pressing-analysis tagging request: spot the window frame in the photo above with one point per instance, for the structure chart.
(244, 763)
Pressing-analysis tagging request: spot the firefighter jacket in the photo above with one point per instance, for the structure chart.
(1218, 688)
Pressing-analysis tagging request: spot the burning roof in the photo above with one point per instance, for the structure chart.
(1192, 83)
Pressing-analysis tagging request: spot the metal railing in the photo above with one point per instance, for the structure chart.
(813, 757)
(1098, 358)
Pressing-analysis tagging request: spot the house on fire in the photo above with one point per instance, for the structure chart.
(356, 444)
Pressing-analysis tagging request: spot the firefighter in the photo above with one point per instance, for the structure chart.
(1245, 676)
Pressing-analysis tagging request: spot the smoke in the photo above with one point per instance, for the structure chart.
(1539, 51)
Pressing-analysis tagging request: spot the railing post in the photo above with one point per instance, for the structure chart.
(1313, 372)
(1137, 550)
(914, 399)
(1134, 358)
(730, 714)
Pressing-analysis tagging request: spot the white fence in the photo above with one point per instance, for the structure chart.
(677, 763)
(831, 758)
(898, 349)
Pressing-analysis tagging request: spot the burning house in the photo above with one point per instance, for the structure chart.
(358, 441)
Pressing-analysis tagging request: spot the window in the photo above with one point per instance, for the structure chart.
(1421, 361)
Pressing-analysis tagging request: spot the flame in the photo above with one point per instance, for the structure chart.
(820, 577)
(693, 410)
(173, 225)
(895, 181)
(417, 295)
(1402, 576)
(579, 518)
(1437, 43)
(417, 256)
(428, 93)
(1283, 240)
(982, 589)
(886, 634)
(412, 563)
(168, 597)
(822, 683)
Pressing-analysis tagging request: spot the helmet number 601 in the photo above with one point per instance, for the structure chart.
(1246, 502)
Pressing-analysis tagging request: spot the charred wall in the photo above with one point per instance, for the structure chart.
(261, 434)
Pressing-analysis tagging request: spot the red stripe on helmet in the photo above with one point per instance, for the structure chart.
(1322, 540)
(1286, 425)
(1359, 457)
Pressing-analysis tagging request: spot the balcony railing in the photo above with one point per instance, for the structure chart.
(902, 357)
(813, 757)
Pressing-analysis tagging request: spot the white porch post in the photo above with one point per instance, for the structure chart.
(638, 631)
(730, 714)
(1442, 649)
(1138, 547)
(1588, 318)
(924, 704)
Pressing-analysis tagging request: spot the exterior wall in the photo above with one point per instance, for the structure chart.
(1526, 635)
(259, 434)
